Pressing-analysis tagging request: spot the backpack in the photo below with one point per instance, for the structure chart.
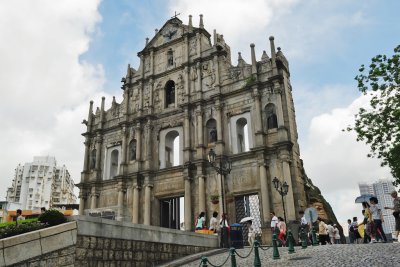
(351, 229)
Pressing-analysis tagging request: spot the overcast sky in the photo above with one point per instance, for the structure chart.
(56, 56)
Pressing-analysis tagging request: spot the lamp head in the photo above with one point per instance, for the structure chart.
(285, 188)
(211, 156)
(275, 181)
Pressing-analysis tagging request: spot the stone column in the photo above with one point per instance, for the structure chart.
(265, 201)
(198, 66)
(202, 194)
(147, 204)
(199, 114)
(289, 198)
(123, 145)
(121, 191)
(186, 129)
(99, 143)
(188, 204)
(218, 107)
(279, 108)
(257, 118)
(82, 200)
(87, 155)
(135, 204)
(138, 138)
(93, 198)
(148, 144)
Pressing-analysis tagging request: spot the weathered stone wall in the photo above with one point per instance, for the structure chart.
(103, 242)
(53, 246)
(89, 241)
(63, 257)
(99, 251)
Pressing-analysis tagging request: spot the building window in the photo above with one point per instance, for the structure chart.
(114, 163)
(170, 147)
(169, 93)
(242, 135)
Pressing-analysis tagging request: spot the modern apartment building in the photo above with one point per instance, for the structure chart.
(41, 183)
(382, 189)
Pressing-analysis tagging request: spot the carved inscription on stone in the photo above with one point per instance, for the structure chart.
(243, 178)
(171, 185)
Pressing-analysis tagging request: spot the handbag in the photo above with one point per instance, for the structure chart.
(396, 214)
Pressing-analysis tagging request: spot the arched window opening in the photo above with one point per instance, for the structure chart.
(242, 135)
(172, 149)
(93, 159)
(114, 163)
(170, 58)
(212, 134)
(169, 93)
(270, 114)
(132, 150)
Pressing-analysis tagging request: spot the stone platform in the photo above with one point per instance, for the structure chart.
(378, 254)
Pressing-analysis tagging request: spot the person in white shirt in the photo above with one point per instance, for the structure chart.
(252, 234)
(377, 217)
(336, 233)
(274, 222)
(214, 222)
(330, 233)
(223, 222)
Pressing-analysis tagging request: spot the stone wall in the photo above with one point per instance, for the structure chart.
(53, 246)
(104, 242)
(98, 251)
(89, 241)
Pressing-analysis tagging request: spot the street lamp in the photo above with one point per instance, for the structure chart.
(223, 168)
(282, 189)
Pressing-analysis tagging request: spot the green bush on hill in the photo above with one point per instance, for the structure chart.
(52, 217)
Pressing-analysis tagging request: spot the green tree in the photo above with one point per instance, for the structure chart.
(379, 125)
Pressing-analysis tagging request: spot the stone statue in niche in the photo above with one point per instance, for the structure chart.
(132, 150)
(193, 47)
(193, 73)
(93, 159)
(213, 135)
(272, 121)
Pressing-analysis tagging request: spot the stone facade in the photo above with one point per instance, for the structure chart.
(187, 87)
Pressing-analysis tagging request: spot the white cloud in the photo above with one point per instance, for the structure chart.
(336, 162)
(44, 87)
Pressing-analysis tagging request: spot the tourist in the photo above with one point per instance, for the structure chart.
(223, 222)
(336, 234)
(19, 215)
(42, 210)
(322, 232)
(396, 213)
(357, 236)
(367, 222)
(330, 233)
(274, 222)
(200, 222)
(281, 226)
(377, 217)
(252, 235)
(303, 225)
(214, 222)
(351, 232)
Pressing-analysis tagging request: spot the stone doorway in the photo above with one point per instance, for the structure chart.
(170, 212)
(246, 206)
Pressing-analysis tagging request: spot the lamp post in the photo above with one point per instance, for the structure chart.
(282, 189)
(223, 168)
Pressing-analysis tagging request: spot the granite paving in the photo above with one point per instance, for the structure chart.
(363, 255)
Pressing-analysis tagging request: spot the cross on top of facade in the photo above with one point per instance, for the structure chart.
(176, 15)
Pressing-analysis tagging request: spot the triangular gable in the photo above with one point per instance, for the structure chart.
(172, 29)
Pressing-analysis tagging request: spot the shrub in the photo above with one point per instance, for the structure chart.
(4, 224)
(52, 217)
(20, 228)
